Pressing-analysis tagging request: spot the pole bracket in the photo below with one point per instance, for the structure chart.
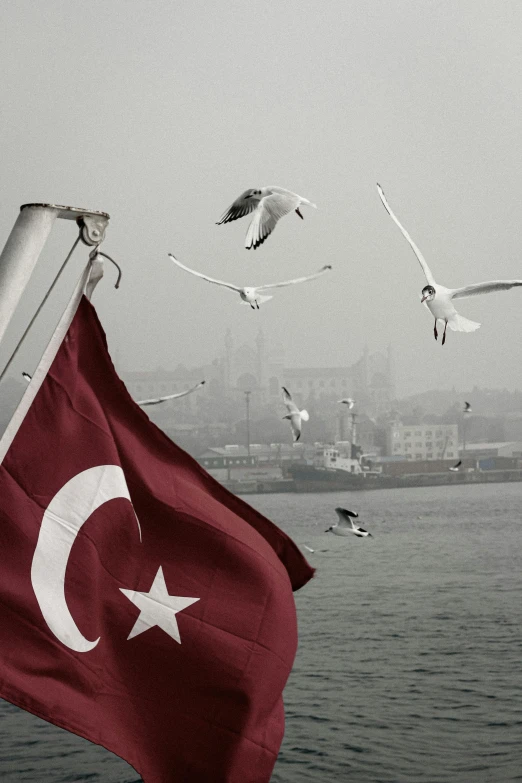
(92, 229)
(91, 222)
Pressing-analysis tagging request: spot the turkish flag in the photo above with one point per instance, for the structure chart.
(142, 605)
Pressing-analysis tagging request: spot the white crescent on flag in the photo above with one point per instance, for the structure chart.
(69, 509)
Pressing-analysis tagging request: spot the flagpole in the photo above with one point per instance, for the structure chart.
(26, 241)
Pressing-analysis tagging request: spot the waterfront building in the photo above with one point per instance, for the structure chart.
(512, 449)
(262, 462)
(423, 441)
(263, 369)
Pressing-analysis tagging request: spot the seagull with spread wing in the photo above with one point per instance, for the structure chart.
(294, 415)
(456, 467)
(346, 526)
(268, 205)
(157, 400)
(439, 299)
(252, 295)
(153, 400)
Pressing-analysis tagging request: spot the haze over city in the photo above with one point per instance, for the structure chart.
(160, 620)
(163, 117)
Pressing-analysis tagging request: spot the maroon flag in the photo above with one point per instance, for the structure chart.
(142, 605)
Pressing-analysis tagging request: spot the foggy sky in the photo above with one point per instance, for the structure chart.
(162, 113)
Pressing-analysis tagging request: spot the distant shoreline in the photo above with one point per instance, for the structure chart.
(327, 481)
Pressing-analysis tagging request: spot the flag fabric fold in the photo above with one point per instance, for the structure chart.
(142, 605)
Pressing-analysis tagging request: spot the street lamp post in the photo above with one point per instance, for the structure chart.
(354, 428)
(465, 416)
(247, 401)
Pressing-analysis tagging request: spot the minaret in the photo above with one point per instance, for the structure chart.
(391, 372)
(261, 360)
(341, 424)
(229, 358)
(363, 391)
(366, 368)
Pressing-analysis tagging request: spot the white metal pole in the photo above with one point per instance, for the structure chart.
(26, 241)
(19, 257)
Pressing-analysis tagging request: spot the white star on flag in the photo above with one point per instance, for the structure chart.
(157, 607)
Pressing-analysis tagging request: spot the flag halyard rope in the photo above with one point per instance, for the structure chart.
(35, 316)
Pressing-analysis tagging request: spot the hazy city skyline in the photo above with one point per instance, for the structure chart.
(163, 115)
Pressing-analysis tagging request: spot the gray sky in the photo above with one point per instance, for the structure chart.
(161, 113)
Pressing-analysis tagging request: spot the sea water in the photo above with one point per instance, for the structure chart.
(409, 665)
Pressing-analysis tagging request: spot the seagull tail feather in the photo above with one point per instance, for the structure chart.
(460, 324)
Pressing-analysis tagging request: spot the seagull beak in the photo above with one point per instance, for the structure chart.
(424, 298)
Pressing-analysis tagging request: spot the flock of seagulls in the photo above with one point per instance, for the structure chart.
(266, 206)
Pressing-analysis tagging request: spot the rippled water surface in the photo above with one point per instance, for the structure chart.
(410, 659)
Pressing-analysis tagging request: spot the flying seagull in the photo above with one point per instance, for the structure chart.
(345, 524)
(439, 299)
(456, 466)
(252, 295)
(294, 414)
(157, 400)
(308, 548)
(153, 400)
(467, 408)
(348, 401)
(268, 205)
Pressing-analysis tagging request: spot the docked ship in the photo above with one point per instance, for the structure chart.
(333, 471)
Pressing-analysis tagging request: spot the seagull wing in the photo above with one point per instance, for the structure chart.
(295, 280)
(422, 261)
(288, 401)
(156, 400)
(347, 523)
(242, 206)
(270, 209)
(295, 421)
(205, 277)
(484, 288)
